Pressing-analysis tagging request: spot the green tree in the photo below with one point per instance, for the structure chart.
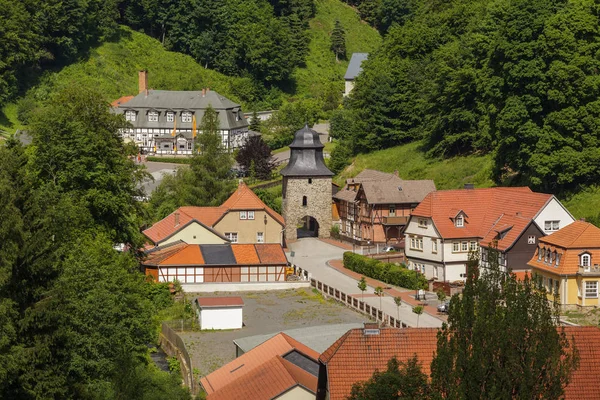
(418, 310)
(503, 337)
(338, 41)
(379, 293)
(362, 286)
(254, 122)
(398, 302)
(400, 381)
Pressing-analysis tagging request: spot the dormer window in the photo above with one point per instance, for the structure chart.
(170, 116)
(130, 115)
(459, 221)
(152, 116)
(585, 260)
(422, 223)
(186, 116)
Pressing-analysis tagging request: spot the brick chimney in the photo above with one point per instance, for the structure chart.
(143, 81)
(203, 92)
(176, 218)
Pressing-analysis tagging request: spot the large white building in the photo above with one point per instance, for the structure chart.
(450, 224)
(166, 121)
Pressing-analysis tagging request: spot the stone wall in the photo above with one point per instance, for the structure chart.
(318, 204)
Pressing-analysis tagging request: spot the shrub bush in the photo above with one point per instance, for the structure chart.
(385, 272)
(173, 160)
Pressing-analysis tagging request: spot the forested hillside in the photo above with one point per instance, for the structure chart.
(515, 79)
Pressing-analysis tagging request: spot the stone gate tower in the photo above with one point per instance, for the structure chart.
(307, 186)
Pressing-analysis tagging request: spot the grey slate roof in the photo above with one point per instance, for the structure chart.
(318, 338)
(306, 155)
(384, 188)
(354, 67)
(217, 254)
(178, 101)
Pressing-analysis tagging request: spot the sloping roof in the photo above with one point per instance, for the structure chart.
(354, 67)
(266, 382)
(384, 188)
(355, 356)
(306, 155)
(569, 242)
(242, 199)
(183, 254)
(483, 207)
(278, 345)
(510, 226)
(318, 338)
(121, 100)
(229, 301)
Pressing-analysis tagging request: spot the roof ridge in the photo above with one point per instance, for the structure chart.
(336, 346)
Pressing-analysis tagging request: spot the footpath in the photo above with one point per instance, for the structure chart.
(407, 295)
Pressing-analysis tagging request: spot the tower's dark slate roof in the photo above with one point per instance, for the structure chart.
(306, 155)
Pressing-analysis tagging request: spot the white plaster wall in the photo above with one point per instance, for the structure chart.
(243, 287)
(221, 318)
(449, 256)
(453, 272)
(553, 211)
(429, 234)
(297, 393)
(348, 87)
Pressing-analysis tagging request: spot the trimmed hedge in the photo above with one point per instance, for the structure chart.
(173, 160)
(385, 272)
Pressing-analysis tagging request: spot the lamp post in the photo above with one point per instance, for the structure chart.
(265, 220)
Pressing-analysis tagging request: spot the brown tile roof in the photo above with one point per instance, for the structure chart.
(354, 357)
(121, 100)
(191, 254)
(569, 242)
(485, 208)
(383, 188)
(270, 253)
(242, 199)
(228, 374)
(220, 301)
(245, 254)
(266, 382)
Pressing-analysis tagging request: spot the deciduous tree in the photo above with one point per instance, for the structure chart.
(255, 152)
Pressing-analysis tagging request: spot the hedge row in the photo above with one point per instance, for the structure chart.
(174, 160)
(385, 272)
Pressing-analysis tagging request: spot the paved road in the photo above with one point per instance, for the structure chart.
(312, 255)
(158, 170)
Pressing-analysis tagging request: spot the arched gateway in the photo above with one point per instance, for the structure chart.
(306, 185)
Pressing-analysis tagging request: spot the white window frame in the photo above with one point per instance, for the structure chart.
(416, 243)
(435, 272)
(456, 247)
(464, 246)
(250, 214)
(591, 289)
(434, 246)
(551, 225)
(531, 239)
(152, 116)
(243, 215)
(232, 236)
(186, 116)
(459, 221)
(392, 211)
(585, 260)
(130, 115)
(260, 237)
(473, 245)
(170, 116)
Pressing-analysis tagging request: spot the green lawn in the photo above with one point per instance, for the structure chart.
(321, 68)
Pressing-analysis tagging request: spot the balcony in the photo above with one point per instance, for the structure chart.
(395, 220)
(590, 270)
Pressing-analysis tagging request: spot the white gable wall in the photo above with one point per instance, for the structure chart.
(553, 211)
(220, 318)
(429, 235)
(297, 393)
(195, 233)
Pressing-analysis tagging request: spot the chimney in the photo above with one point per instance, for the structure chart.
(143, 81)
(371, 328)
(176, 218)
(469, 186)
(203, 92)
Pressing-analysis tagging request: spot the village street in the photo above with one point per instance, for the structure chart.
(312, 255)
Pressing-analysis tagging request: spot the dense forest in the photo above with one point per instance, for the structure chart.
(518, 79)
(263, 40)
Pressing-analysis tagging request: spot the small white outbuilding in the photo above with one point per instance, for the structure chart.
(220, 312)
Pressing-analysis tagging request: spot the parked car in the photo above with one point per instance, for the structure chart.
(444, 307)
(389, 249)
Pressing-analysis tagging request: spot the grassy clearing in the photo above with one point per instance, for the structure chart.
(8, 120)
(586, 317)
(585, 204)
(321, 68)
(411, 163)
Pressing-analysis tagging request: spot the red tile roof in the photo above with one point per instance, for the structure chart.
(191, 254)
(266, 382)
(569, 242)
(242, 199)
(247, 363)
(121, 100)
(355, 357)
(487, 211)
(220, 301)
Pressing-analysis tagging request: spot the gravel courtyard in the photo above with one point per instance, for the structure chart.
(264, 312)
